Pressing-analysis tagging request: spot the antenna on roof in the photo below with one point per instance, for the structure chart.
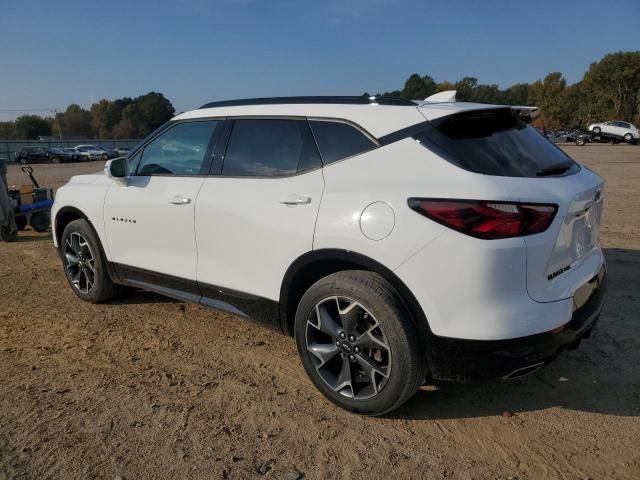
(446, 96)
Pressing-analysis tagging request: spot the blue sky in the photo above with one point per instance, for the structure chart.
(53, 53)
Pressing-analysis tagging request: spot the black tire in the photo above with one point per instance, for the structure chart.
(7, 234)
(40, 222)
(103, 287)
(23, 161)
(628, 137)
(407, 366)
(105, 156)
(21, 222)
(55, 160)
(597, 130)
(580, 142)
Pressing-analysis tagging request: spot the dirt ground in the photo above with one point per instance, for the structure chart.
(149, 387)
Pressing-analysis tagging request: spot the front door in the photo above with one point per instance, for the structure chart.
(150, 222)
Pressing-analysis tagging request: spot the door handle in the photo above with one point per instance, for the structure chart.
(180, 200)
(295, 199)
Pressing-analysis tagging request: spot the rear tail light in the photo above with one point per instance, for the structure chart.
(486, 219)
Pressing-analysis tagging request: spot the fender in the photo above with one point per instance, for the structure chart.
(313, 265)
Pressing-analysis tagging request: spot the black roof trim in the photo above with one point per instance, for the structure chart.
(342, 100)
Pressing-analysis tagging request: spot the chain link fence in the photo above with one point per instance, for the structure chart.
(8, 148)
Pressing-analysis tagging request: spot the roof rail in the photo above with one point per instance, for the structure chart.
(343, 100)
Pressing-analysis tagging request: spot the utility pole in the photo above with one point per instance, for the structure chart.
(55, 116)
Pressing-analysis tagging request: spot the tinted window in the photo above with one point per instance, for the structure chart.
(269, 147)
(337, 140)
(178, 151)
(493, 142)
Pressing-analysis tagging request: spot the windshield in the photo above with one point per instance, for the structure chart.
(494, 142)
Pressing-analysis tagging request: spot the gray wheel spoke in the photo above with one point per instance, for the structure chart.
(326, 323)
(371, 369)
(90, 266)
(72, 260)
(349, 316)
(368, 340)
(344, 378)
(75, 279)
(323, 351)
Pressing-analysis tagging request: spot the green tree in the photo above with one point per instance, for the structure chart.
(548, 95)
(7, 131)
(76, 122)
(30, 127)
(418, 88)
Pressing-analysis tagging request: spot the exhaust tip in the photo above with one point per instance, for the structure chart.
(524, 371)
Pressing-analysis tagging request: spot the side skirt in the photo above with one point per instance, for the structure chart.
(262, 310)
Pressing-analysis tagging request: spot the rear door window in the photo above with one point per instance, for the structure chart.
(494, 142)
(269, 148)
(338, 140)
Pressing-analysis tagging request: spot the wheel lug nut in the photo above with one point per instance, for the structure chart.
(356, 349)
(343, 335)
(352, 338)
(352, 358)
(337, 343)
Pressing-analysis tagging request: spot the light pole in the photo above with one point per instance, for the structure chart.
(55, 116)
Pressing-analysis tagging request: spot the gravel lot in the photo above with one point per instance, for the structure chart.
(149, 387)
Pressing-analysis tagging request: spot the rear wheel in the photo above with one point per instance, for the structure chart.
(55, 160)
(628, 137)
(597, 130)
(21, 222)
(580, 141)
(358, 343)
(85, 264)
(8, 234)
(40, 222)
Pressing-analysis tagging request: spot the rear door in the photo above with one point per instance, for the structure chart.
(256, 214)
(150, 223)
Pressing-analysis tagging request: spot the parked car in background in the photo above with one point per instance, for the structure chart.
(46, 155)
(111, 152)
(617, 129)
(122, 151)
(94, 152)
(77, 155)
(59, 155)
(32, 155)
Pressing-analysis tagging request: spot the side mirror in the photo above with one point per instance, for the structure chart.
(118, 169)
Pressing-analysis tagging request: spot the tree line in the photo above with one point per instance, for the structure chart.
(122, 118)
(609, 90)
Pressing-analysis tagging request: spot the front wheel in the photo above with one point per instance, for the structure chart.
(84, 263)
(358, 343)
(55, 160)
(628, 137)
(597, 130)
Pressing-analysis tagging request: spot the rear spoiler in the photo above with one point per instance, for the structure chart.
(449, 96)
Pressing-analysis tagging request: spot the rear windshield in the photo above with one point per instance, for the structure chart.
(495, 142)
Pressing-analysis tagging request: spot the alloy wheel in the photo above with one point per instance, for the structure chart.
(348, 348)
(80, 263)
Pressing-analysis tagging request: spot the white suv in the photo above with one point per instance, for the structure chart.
(398, 241)
(618, 129)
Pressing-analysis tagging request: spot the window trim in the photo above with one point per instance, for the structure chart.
(209, 152)
(376, 141)
(219, 146)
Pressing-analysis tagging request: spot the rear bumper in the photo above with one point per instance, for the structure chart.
(464, 360)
